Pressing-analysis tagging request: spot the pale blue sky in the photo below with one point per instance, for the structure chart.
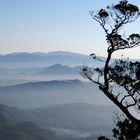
(51, 25)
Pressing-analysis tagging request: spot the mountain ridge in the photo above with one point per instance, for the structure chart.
(41, 53)
(46, 59)
(36, 94)
(74, 81)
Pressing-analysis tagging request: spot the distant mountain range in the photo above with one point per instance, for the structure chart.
(13, 76)
(67, 104)
(46, 59)
(53, 69)
(16, 68)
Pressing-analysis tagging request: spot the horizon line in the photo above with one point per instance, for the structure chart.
(58, 51)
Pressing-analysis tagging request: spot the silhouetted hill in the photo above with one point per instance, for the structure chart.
(60, 69)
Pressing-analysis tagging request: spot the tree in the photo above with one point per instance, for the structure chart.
(126, 130)
(122, 74)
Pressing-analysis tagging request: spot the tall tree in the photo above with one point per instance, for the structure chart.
(121, 74)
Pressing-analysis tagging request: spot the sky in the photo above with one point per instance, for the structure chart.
(56, 25)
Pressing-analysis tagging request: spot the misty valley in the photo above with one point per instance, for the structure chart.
(43, 96)
(69, 70)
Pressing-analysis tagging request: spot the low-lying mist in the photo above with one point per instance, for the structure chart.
(43, 98)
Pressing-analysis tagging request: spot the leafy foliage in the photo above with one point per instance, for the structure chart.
(126, 130)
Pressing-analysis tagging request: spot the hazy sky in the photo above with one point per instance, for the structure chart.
(51, 25)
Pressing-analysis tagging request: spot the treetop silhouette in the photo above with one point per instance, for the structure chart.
(122, 74)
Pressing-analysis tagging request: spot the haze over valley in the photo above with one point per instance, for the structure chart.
(47, 90)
